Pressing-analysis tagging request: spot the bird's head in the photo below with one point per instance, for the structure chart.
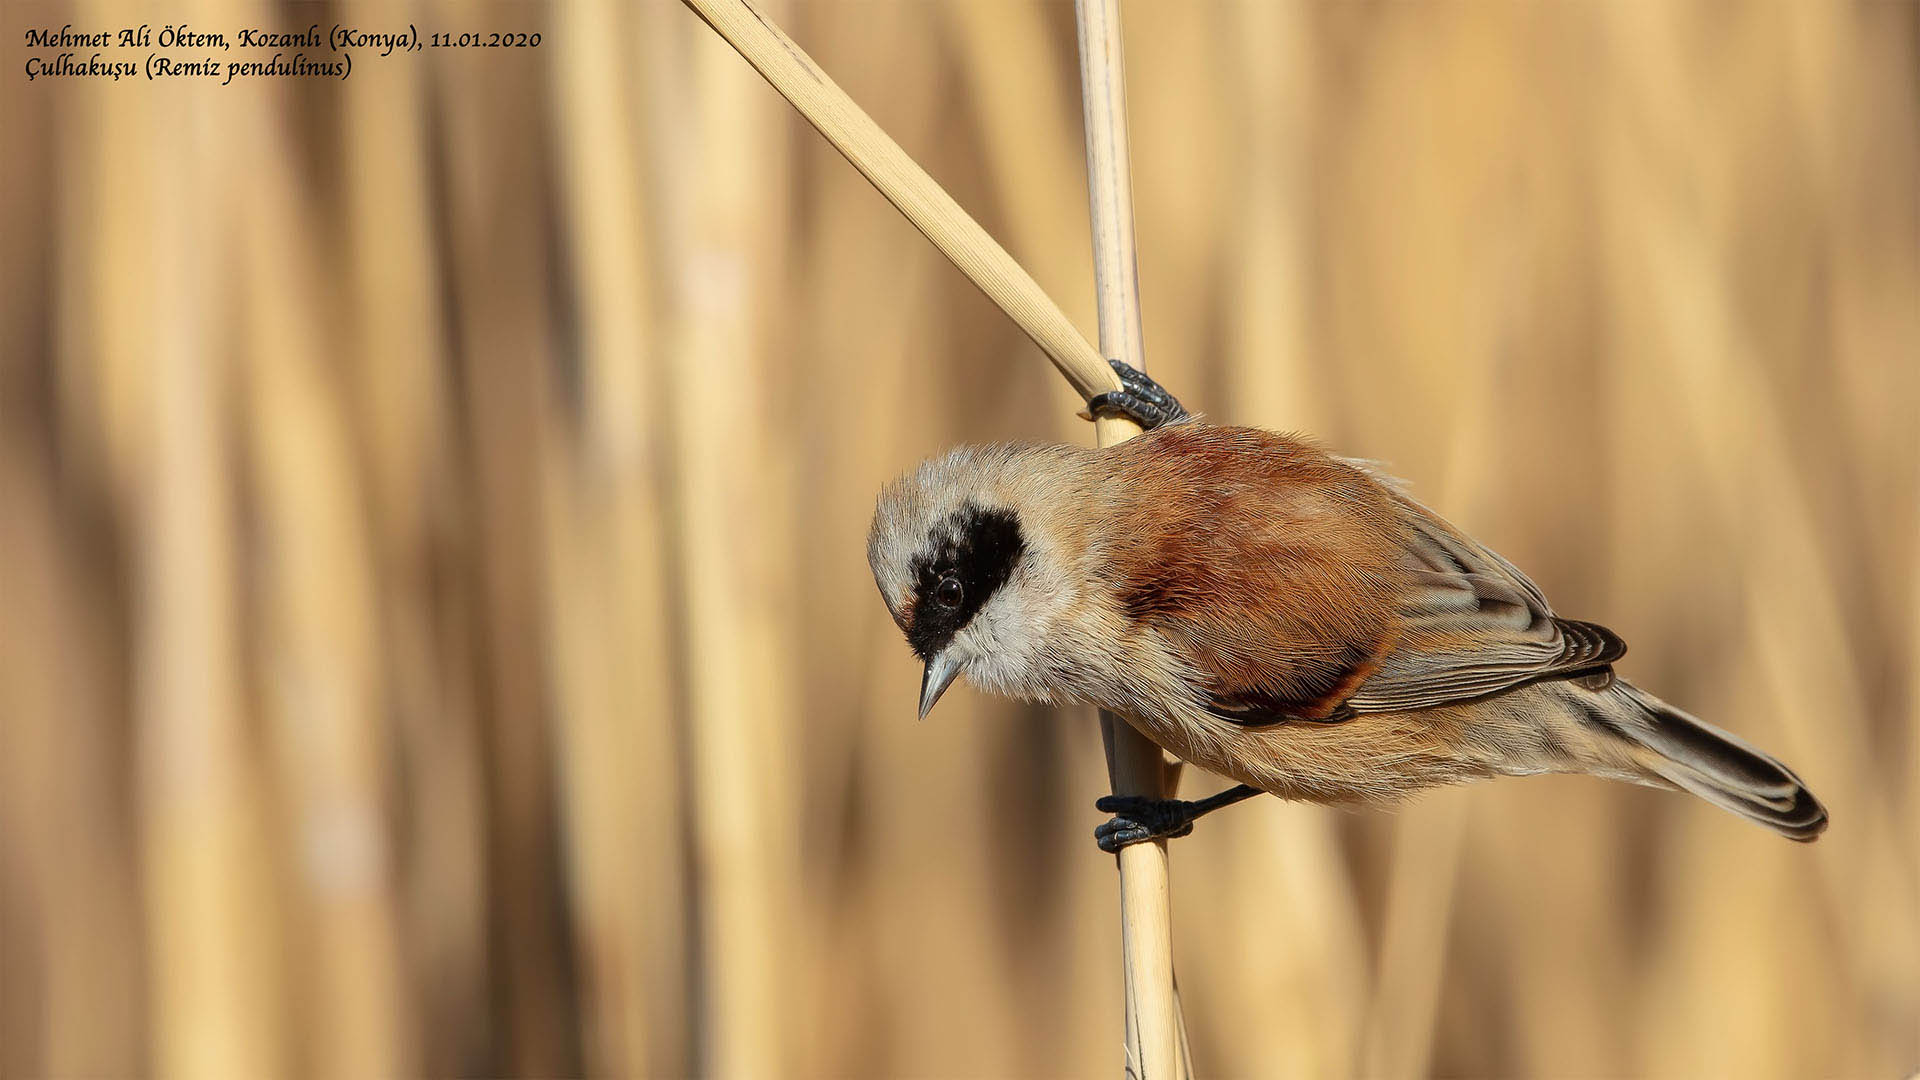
(970, 561)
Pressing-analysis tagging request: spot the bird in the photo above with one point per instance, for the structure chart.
(1283, 617)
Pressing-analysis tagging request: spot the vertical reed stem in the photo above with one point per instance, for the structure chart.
(1155, 1042)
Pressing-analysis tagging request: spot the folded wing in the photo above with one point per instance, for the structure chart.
(1303, 587)
(1472, 625)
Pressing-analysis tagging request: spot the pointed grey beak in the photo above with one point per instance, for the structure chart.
(941, 671)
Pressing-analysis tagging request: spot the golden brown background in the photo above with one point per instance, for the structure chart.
(438, 638)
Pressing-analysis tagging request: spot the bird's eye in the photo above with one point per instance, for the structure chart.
(948, 593)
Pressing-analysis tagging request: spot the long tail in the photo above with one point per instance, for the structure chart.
(1718, 766)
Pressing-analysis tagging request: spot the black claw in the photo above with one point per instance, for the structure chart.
(1140, 399)
(1138, 819)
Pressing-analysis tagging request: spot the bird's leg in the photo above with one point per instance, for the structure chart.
(1137, 819)
(1139, 399)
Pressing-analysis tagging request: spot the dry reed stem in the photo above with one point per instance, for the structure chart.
(495, 208)
(724, 230)
(316, 641)
(905, 184)
(212, 927)
(608, 613)
(397, 368)
(1155, 1035)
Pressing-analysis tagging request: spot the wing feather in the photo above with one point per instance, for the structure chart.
(1473, 625)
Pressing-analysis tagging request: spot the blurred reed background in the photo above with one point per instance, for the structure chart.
(438, 633)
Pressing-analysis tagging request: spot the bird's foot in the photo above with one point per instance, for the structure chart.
(1138, 819)
(1139, 399)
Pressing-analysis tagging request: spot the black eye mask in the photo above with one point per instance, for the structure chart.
(976, 547)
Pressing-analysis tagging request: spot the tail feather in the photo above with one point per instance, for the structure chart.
(1719, 766)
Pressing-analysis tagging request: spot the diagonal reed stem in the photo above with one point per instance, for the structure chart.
(908, 187)
(1156, 1045)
